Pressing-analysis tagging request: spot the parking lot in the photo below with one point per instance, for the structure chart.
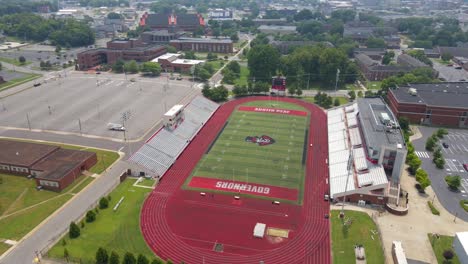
(455, 155)
(86, 103)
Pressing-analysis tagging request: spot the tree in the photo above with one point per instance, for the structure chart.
(114, 258)
(430, 144)
(142, 259)
(299, 91)
(22, 59)
(219, 94)
(263, 61)
(336, 102)
(441, 132)
(448, 254)
(413, 163)
(239, 90)
(171, 49)
(66, 254)
(211, 57)
(437, 154)
(1, 66)
(446, 56)
(454, 182)
(151, 68)
(129, 258)
(157, 261)
(131, 67)
(113, 15)
(291, 90)
(423, 179)
(102, 257)
(74, 230)
(234, 37)
(118, 66)
(234, 66)
(352, 95)
(90, 216)
(103, 203)
(202, 72)
(190, 55)
(304, 14)
(404, 123)
(376, 43)
(388, 57)
(360, 94)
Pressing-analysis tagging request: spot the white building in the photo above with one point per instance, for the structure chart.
(460, 245)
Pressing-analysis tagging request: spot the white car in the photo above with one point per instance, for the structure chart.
(115, 127)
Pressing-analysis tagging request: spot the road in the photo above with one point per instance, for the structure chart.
(51, 229)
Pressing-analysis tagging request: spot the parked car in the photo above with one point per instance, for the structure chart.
(445, 145)
(458, 67)
(465, 166)
(179, 78)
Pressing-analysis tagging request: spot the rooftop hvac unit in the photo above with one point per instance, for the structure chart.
(413, 91)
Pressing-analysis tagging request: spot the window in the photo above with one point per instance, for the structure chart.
(465, 113)
(429, 111)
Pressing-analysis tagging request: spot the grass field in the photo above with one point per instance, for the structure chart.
(359, 232)
(278, 164)
(243, 77)
(12, 83)
(3, 248)
(22, 207)
(117, 231)
(439, 245)
(14, 61)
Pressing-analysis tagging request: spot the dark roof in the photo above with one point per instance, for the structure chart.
(447, 94)
(59, 163)
(370, 51)
(187, 19)
(157, 19)
(201, 40)
(23, 153)
(366, 60)
(454, 51)
(411, 61)
(162, 32)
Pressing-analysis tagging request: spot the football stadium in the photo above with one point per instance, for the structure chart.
(241, 182)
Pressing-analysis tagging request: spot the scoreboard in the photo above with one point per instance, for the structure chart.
(278, 85)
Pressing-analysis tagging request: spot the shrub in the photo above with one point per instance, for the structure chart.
(413, 163)
(66, 254)
(114, 258)
(156, 261)
(440, 163)
(464, 205)
(74, 230)
(102, 257)
(129, 258)
(454, 182)
(433, 209)
(423, 179)
(441, 132)
(103, 203)
(142, 259)
(90, 216)
(430, 144)
(448, 254)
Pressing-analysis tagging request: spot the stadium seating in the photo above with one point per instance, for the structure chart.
(158, 153)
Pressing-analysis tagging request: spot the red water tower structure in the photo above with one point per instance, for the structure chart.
(278, 85)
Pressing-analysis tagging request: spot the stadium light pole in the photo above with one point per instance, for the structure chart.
(350, 168)
(337, 78)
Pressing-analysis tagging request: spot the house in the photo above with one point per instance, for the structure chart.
(439, 104)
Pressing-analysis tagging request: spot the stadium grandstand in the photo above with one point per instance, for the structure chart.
(367, 133)
(162, 149)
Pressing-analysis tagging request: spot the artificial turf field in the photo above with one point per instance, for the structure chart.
(280, 164)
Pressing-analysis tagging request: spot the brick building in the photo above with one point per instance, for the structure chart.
(52, 167)
(126, 49)
(440, 104)
(224, 45)
(162, 36)
(374, 71)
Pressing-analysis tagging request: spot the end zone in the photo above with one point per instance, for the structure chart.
(245, 188)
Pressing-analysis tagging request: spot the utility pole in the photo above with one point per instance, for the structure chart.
(79, 124)
(308, 81)
(337, 78)
(29, 122)
(350, 171)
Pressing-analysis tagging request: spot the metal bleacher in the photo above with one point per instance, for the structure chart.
(160, 152)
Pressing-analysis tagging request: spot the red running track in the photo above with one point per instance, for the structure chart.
(181, 225)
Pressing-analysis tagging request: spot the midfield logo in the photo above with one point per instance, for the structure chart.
(261, 141)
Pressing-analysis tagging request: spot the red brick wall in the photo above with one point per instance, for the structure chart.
(373, 199)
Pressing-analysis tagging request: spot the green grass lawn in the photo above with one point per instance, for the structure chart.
(374, 85)
(3, 248)
(359, 232)
(18, 193)
(12, 83)
(439, 245)
(278, 164)
(147, 182)
(244, 75)
(115, 231)
(14, 61)
(443, 62)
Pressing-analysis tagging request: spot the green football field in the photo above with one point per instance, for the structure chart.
(279, 164)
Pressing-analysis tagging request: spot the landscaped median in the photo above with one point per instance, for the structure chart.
(27, 78)
(356, 228)
(23, 208)
(442, 246)
(113, 230)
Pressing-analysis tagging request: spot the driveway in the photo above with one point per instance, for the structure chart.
(455, 156)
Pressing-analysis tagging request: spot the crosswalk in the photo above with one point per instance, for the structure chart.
(422, 154)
